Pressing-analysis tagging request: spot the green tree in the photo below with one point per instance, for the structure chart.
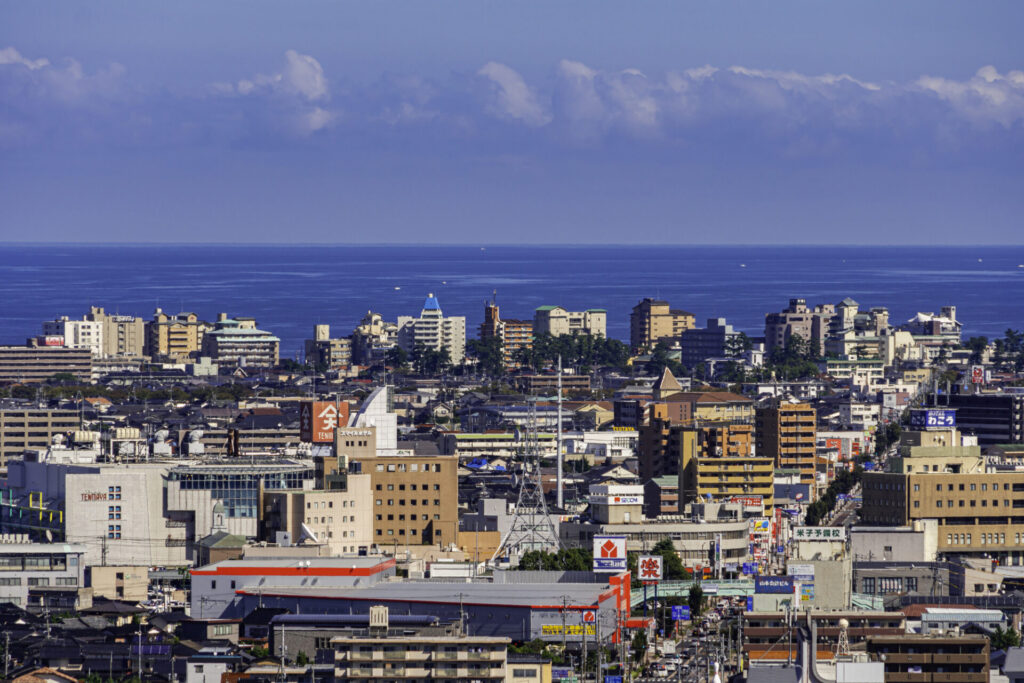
(738, 345)
(639, 645)
(396, 357)
(695, 599)
(977, 345)
(302, 659)
(489, 352)
(1002, 640)
(671, 566)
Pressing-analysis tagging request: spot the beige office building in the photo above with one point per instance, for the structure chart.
(341, 520)
(977, 508)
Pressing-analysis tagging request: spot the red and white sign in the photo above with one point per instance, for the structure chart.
(589, 617)
(609, 553)
(319, 419)
(649, 567)
(748, 501)
(977, 374)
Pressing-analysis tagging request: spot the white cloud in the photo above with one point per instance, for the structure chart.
(9, 55)
(304, 75)
(512, 98)
(987, 97)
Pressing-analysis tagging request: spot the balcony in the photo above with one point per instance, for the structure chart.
(906, 677)
(446, 655)
(964, 677)
(367, 656)
(978, 659)
(907, 658)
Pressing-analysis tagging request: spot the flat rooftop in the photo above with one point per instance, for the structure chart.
(535, 595)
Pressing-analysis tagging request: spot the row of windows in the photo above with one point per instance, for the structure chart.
(329, 520)
(329, 504)
(401, 487)
(401, 518)
(973, 487)
(412, 532)
(974, 503)
(889, 584)
(412, 501)
(412, 467)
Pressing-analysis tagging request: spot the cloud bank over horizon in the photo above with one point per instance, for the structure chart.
(687, 153)
(58, 100)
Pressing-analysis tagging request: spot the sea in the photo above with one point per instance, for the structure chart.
(290, 288)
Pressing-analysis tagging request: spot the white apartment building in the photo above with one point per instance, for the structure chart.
(433, 330)
(77, 334)
(556, 321)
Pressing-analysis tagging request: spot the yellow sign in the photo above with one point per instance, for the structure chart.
(570, 629)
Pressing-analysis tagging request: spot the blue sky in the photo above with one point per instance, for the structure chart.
(595, 122)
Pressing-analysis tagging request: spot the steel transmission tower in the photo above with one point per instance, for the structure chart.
(532, 527)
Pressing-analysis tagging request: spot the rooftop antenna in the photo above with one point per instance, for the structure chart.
(532, 527)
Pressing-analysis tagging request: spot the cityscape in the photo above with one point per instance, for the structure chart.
(528, 500)
(547, 341)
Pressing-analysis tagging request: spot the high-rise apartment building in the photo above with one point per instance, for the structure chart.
(332, 354)
(714, 341)
(174, 337)
(787, 433)
(238, 342)
(77, 334)
(433, 330)
(653, 320)
(123, 335)
(556, 321)
(714, 459)
(811, 325)
(372, 339)
(515, 335)
(104, 335)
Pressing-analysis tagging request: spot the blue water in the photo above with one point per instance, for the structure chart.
(288, 289)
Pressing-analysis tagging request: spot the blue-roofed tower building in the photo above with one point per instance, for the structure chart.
(434, 331)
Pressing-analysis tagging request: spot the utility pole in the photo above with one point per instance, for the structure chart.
(7, 654)
(565, 603)
(558, 440)
(583, 667)
(600, 650)
(282, 676)
(140, 652)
